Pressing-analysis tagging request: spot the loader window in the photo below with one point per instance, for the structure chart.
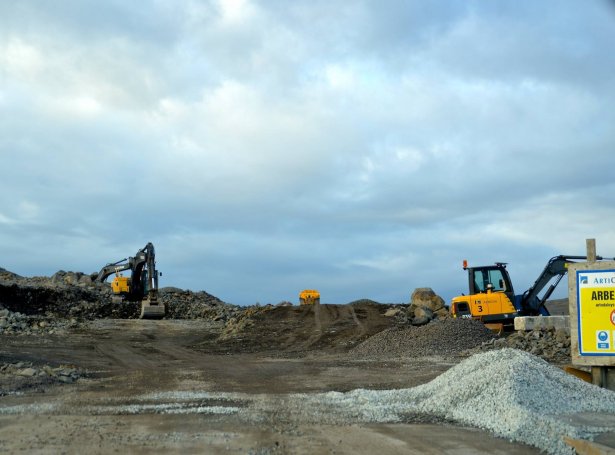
(485, 277)
(497, 280)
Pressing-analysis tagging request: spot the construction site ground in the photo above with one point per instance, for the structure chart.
(176, 385)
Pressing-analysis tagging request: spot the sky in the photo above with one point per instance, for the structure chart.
(361, 148)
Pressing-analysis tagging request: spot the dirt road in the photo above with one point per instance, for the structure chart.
(153, 387)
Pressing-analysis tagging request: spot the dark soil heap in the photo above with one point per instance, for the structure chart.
(300, 329)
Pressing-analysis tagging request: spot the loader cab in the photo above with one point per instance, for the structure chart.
(490, 278)
(490, 297)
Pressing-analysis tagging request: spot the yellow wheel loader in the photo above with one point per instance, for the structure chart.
(142, 284)
(309, 297)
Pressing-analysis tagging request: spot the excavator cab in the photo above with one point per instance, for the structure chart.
(120, 285)
(491, 295)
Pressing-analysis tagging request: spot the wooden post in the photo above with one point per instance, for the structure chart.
(591, 250)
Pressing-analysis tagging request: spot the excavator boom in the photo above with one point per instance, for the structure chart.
(530, 302)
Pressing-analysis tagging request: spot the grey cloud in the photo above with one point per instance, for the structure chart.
(362, 148)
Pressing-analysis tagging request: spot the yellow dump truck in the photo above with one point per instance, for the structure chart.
(309, 297)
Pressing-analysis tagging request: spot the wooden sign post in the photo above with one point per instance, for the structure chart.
(591, 297)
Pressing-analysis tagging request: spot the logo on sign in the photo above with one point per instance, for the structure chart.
(613, 317)
(584, 279)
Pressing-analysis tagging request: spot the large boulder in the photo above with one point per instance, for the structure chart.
(426, 305)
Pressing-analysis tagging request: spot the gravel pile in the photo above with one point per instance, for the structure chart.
(551, 345)
(439, 337)
(509, 392)
(181, 304)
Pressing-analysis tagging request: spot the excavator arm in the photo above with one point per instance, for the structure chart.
(110, 269)
(530, 302)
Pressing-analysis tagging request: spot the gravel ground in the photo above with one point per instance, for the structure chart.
(511, 393)
(439, 337)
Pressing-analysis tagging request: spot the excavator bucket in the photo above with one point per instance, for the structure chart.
(151, 310)
(497, 329)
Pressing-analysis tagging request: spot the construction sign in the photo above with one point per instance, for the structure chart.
(596, 312)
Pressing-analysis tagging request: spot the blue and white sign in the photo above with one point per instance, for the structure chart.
(603, 339)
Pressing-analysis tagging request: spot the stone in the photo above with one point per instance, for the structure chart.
(427, 298)
(27, 372)
(392, 312)
(426, 304)
(422, 312)
(420, 320)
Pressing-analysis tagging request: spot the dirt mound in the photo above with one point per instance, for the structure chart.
(297, 329)
(439, 337)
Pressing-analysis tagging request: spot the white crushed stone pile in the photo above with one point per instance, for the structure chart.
(439, 337)
(509, 392)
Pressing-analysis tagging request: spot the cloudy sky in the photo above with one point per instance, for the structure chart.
(362, 148)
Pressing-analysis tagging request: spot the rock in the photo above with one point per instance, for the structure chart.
(420, 320)
(422, 312)
(392, 312)
(426, 305)
(27, 372)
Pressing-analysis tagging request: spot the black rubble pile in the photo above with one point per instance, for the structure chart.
(439, 337)
(21, 324)
(182, 304)
(65, 294)
(75, 296)
(550, 344)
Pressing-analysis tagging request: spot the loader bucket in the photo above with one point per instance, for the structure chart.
(151, 310)
(497, 329)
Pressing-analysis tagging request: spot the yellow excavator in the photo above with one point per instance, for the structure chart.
(309, 297)
(142, 284)
(491, 297)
